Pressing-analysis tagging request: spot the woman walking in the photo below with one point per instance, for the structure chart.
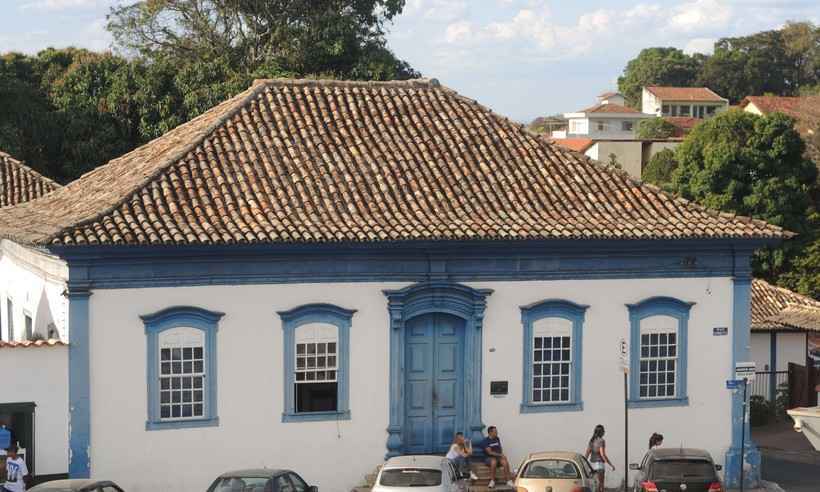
(596, 454)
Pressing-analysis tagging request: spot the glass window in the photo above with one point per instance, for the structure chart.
(246, 484)
(315, 383)
(665, 110)
(299, 485)
(29, 325)
(552, 360)
(282, 484)
(685, 110)
(10, 316)
(601, 126)
(673, 469)
(674, 108)
(659, 357)
(551, 469)
(410, 477)
(627, 126)
(182, 362)
(710, 110)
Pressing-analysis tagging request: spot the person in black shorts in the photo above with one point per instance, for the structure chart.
(495, 456)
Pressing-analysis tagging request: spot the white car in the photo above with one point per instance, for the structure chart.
(417, 474)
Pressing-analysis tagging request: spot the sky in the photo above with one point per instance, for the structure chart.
(522, 58)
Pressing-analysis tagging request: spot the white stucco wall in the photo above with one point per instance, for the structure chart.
(40, 375)
(35, 283)
(791, 347)
(335, 456)
(761, 350)
(628, 153)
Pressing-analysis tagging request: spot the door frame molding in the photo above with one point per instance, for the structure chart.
(436, 297)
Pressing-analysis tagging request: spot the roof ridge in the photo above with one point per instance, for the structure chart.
(230, 108)
(784, 290)
(27, 169)
(284, 81)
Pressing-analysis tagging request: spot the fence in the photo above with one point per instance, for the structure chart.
(762, 385)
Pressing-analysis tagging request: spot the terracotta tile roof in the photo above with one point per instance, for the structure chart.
(609, 108)
(20, 183)
(334, 161)
(51, 342)
(576, 144)
(685, 93)
(805, 110)
(776, 308)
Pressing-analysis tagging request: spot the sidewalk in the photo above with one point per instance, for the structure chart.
(788, 458)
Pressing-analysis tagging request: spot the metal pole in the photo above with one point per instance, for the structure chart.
(743, 435)
(626, 432)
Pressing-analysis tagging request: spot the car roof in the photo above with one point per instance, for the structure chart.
(560, 455)
(415, 461)
(254, 473)
(70, 483)
(678, 453)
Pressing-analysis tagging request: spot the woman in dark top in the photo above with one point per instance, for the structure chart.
(596, 454)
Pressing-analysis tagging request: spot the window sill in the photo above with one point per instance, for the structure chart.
(668, 402)
(182, 424)
(316, 416)
(552, 407)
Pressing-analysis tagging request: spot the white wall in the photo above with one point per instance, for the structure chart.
(649, 103)
(628, 153)
(40, 375)
(791, 347)
(35, 283)
(761, 350)
(335, 456)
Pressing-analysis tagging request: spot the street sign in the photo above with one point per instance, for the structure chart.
(720, 331)
(623, 355)
(733, 383)
(745, 370)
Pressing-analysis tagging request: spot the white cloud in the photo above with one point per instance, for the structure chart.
(56, 5)
(459, 32)
(700, 45)
(436, 10)
(700, 15)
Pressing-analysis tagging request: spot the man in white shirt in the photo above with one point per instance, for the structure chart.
(16, 471)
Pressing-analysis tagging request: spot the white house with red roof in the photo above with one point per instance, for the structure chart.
(608, 119)
(315, 275)
(687, 102)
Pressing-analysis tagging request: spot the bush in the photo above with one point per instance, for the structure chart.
(655, 128)
(660, 168)
(760, 410)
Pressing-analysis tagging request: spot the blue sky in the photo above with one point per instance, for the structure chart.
(522, 58)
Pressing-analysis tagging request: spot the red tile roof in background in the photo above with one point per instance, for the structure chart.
(775, 308)
(805, 110)
(576, 144)
(609, 108)
(20, 183)
(683, 124)
(685, 93)
(51, 342)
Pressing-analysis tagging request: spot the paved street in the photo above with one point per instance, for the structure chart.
(788, 458)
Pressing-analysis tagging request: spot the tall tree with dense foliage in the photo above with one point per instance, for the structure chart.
(654, 128)
(660, 168)
(342, 38)
(751, 165)
(657, 66)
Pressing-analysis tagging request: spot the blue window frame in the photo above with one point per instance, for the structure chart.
(658, 352)
(181, 368)
(553, 342)
(316, 363)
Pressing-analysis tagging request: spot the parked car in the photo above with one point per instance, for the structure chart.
(417, 474)
(261, 480)
(557, 471)
(691, 470)
(77, 485)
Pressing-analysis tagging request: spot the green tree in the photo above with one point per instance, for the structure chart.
(660, 168)
(755, 166)
(655, 128)
(657, 66)
(342, 38)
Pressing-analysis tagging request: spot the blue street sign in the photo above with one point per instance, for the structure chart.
(733, 383)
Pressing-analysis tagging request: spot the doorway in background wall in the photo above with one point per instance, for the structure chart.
(19, 419)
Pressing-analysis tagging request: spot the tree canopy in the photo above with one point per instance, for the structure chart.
(654, 128)
(783, 62)
(660, 168)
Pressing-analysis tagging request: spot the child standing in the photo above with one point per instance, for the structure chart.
(16, 471)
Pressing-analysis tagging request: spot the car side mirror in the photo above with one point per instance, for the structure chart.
(634, 466)
(718, 467)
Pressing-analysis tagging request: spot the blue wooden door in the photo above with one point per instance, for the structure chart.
(434, 359)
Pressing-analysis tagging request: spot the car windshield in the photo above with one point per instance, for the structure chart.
(551, 469)
(410, 477)
(244, 484)
(676, 469)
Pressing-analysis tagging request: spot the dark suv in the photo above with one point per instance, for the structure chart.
(677, 470)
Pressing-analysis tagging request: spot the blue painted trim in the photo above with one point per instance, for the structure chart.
(741, 337)
(436, 297)
(168, 319)
(79, 394)
(156, 266)
(658, 403)
(342, 319)
(655, 306)
(553, 308)
(773, 367)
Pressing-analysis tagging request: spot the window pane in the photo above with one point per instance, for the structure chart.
(316, 397)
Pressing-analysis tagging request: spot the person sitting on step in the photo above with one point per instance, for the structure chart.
(495, 456)
(459, 454)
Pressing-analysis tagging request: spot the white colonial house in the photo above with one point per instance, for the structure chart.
(33, 332)
(685, 102)
(609, 119)
(318, 274)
